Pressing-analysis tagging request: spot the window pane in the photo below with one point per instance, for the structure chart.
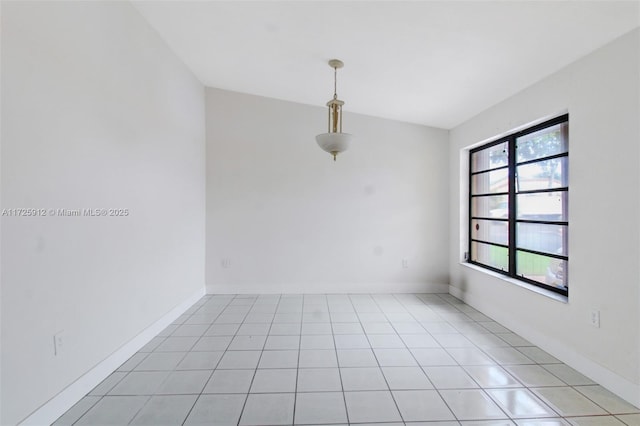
(518, 196)
(543, 269)
(494, 256)
(543, 175)
(549, 206)
(492, 206)
(489, 158)
(492, 231)
(490, 182)
(551, 239)
(543, 143)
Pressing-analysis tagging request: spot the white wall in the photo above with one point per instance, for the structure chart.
(290, 219)
(97, 113)
(601, 93)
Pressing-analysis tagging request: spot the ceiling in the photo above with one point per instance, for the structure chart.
(436, 63)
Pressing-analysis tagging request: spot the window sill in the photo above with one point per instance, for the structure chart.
(541, 291)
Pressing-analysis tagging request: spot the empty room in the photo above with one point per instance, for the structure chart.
(257, 213)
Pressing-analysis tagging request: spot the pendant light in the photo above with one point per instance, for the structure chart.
(334, 141)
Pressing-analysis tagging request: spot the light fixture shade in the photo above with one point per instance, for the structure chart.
(334, 143)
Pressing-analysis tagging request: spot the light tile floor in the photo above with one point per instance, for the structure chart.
(424, 359)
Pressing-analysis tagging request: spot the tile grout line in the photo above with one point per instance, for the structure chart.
(480, 387)
(335, 348)
(255, 371)
(214, 369)
(455, 416)
(168, 374)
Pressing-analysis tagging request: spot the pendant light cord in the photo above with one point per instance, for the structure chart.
(335, 83)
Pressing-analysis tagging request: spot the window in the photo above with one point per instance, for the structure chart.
(518, 205)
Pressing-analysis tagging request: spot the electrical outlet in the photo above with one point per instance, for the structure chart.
(595, 318)
(58, 343)
(225, 263)
(405, 264)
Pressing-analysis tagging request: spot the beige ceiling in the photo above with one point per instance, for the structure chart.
(436, 63)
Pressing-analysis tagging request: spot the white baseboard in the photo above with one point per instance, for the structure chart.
(343, 288)
(59, 404)
(617, 384)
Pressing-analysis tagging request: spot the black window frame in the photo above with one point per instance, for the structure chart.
(512, 219)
